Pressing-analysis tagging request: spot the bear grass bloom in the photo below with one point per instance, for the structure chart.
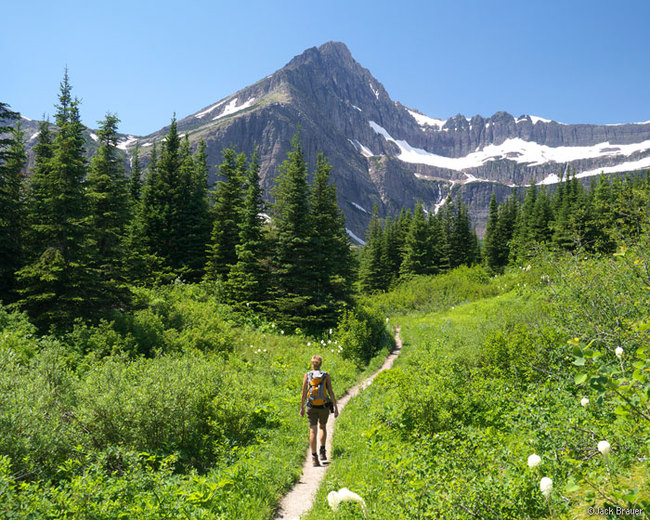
(604, 448)
(334, 498)
(584, 402)
(546, 486)
(534, 460)
(619, 352)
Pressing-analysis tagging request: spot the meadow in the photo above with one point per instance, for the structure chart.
(180, 409)
(495, 370)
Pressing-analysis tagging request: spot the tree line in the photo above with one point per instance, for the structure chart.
(568, 217)
(417, 243)
(76, 234)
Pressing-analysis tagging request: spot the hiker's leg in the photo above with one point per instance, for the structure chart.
(312, 436)
(323, 434)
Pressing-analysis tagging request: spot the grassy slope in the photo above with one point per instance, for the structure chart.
(479, 387)
(210, 429)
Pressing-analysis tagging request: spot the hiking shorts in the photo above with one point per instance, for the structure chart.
(318, 415)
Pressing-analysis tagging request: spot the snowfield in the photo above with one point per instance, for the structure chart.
(522, 152)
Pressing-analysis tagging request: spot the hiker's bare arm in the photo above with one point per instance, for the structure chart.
(303, 396)
(328, 382)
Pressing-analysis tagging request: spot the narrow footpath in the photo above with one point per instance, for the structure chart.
(301, 498)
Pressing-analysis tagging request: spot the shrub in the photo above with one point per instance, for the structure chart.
(362, 333)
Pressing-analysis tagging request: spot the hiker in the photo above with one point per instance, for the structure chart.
(318, 395)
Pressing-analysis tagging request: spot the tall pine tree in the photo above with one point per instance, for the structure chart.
(293, 259)
(55, 285)
(109, 205)
(248, 281)
(332, 254)
(227, 214)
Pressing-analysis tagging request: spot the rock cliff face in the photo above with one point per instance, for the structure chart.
(387, 154)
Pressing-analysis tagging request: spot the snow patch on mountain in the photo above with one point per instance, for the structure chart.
(126, 143)
(355, 237)
(363, 150)
(515, 149)
(94, 137)
(423, 120)
(375, 92)
(232, 108)
(361, 208)
(210, 109)
(629, 166)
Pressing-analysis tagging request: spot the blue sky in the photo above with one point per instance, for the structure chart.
(573, 61)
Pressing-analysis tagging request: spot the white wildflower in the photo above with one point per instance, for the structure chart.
(281, 332)
(584, 402)
(604, 447)
(329, 341)
(534, 460)
(334, 498)
(309, 343)
(619, 352)
(330, 332)
(546, 486)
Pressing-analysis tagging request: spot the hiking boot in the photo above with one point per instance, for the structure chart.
(314, 459)
(323, 455)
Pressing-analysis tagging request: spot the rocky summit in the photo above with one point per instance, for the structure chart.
(388, 155)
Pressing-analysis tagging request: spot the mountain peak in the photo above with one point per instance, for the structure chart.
(327, 54)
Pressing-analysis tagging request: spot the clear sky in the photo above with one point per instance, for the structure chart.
(573, 61)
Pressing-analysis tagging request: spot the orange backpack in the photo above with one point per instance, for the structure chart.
(316, 392)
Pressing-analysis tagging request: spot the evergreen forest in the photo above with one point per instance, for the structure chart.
(155, 330)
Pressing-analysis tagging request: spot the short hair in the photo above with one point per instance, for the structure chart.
(316, 361)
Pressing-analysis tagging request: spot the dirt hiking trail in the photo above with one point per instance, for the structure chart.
(301, 498)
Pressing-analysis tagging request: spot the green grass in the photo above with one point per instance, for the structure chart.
(179, 410)
(484, 381)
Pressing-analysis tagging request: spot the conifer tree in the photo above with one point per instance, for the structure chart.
(248, 280)
(293, 259)
(12, 165)
(109, 205)
(195, 241)
(135, 181)
(371, 271)
(493, 242)
(56, 285)
(331, 250)
(227, 214)
(420, 256)
(165, 196)
(145, 266)
(391, 252)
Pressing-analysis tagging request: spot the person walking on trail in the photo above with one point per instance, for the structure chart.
(318, 396)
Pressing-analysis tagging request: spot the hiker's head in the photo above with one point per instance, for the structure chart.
(316, 362)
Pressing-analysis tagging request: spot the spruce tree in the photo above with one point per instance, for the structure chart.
(371, 271)
(194, 242)
(248, 281)
(227, 215)
(419, 257)
(56, 284)
(332, 254)
(165, 196)
(135, 181)
(293, 259)
(109, 204)
(392, 253)
(145, 266)
(493, 242)
(12, 169)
